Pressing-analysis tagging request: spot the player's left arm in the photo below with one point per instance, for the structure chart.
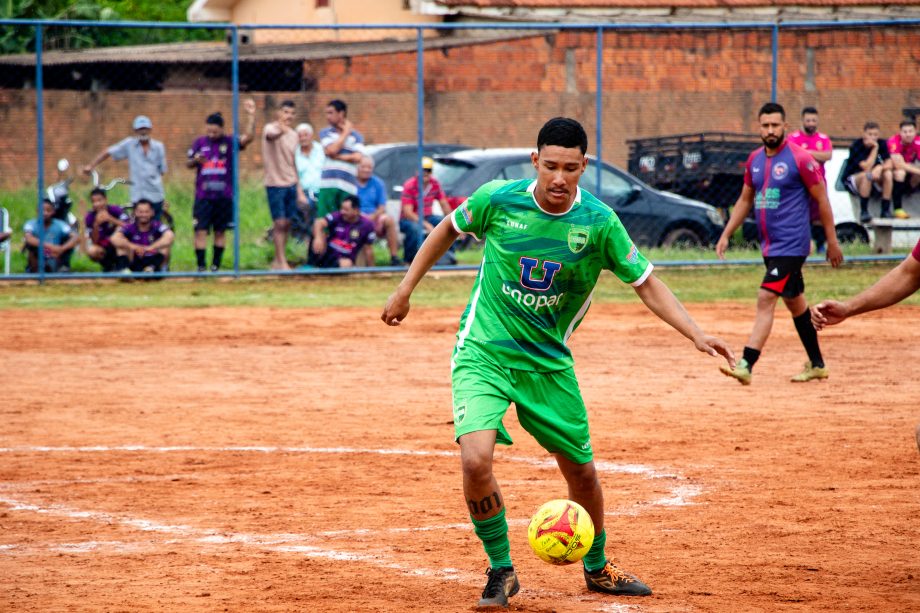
(661, 301)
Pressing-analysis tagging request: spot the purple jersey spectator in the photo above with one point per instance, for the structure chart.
(347, 239)
(215, 174)
(151, 235)
(781, 203)
(107, 229)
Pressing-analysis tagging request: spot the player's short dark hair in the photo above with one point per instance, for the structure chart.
(907, 122)
(354, 200)
(215, 119)
(772, 107)
(338, 105)
(47, 201)
(98, 191)
(563, 132)
(870, 125)
(288, 103)
(809, 110)
(143, 201)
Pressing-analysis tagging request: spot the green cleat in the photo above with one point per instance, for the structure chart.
(502, 584)
(741, 371)
(810, 372)
(614, 580)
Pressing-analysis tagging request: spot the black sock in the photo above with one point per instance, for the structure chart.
(199, 255)
(863, 204)
(886, 206)
(751, 356)
(216, 258)
(897, 194)
(121, 262)
(809, 337)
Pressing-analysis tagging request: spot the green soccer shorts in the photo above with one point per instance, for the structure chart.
(549, 405)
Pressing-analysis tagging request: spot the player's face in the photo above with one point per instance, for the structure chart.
(349, 212)
(213, 131)
(333, 116)
(908, 134)
(558, 172)
(47, 211)
(810, 123)
(98, 201)
(143, 213)
(286, 115)
(870, 136)
(772, 129)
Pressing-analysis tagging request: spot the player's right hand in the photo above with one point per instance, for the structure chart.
(827, 313)
(396, 309)
(722, 247)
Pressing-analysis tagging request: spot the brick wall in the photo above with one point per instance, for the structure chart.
(499, 94)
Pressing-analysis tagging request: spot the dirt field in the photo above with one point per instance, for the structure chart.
(280, 460)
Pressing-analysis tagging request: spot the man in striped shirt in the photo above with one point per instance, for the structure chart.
(344, 147)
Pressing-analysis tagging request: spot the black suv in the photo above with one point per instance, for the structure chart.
(652, 218)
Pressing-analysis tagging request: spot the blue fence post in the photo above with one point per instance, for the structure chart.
(420, 121)
(40, 150)
(775, 49)
(235, 87)
(598, 104)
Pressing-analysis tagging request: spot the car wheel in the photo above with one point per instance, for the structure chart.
(851, 233)
(682, 238)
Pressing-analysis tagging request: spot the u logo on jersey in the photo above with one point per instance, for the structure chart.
(549, 270)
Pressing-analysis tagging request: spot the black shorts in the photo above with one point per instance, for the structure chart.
(214, 213)
(784, 276)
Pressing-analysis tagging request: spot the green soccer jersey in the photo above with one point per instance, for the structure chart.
(538, 273)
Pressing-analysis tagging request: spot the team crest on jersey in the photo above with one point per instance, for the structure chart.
(222, 148)
(577, 239)
(355, 234)
(780, 170)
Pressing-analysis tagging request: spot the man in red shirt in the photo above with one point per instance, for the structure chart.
(435, 206)
(820, 147)
(904, 148)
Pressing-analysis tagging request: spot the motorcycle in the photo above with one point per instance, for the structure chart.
(59, 195)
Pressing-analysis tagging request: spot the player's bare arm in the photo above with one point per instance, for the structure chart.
(819, 193)
(435, 246)
(739, 212)
(898, 284)
(661, 301)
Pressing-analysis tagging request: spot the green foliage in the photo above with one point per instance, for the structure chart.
(22, 39)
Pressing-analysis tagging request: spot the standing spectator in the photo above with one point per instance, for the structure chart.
(212, 156)
(904, 148)
(279, 142)
(143, 244)
(146, 164)
(820, 147)
(372, 194)
(432, 195)
(867, 170)
(778, 180)
(99, 226)
(309, 159)
(344, 147)
(349, 233)
(59, 238)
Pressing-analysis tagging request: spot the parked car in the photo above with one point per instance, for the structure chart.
(396, 162)
(652, 217)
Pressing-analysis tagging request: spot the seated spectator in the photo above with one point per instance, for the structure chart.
(372, 194)
(99, 226)
(904, 148)
(432, 196)
(143, 244)
(868, 170)
(341, 235)
(59, 238)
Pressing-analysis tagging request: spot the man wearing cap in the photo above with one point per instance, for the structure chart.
(146, 163)
(432, 196)
(212, 156)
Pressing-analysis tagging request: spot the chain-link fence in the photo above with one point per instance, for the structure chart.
(676, 109)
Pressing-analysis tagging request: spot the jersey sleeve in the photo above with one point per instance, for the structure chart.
(621, 256)
(808, 168)
(748, 178)
(472, 217)
(119, 150)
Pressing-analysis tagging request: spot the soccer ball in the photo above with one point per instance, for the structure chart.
(561, 532)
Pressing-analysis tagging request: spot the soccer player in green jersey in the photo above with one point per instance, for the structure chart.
(546, 241)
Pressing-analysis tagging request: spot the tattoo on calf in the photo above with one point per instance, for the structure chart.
(481, 507)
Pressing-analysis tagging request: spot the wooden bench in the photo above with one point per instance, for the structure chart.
(884, 228)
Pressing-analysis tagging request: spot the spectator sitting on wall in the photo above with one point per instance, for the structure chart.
(212, 156)
(146, 164)
(99, 226)
(340, 236)
(372, 194)
(279, 142)
(143, 245)
(59, 238)
(309, 159)
(904, 148)
(868, 171)
(435, 205)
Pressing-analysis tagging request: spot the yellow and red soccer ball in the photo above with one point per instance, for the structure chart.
(561, 532)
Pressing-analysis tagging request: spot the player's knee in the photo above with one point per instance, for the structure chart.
(477, 467)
